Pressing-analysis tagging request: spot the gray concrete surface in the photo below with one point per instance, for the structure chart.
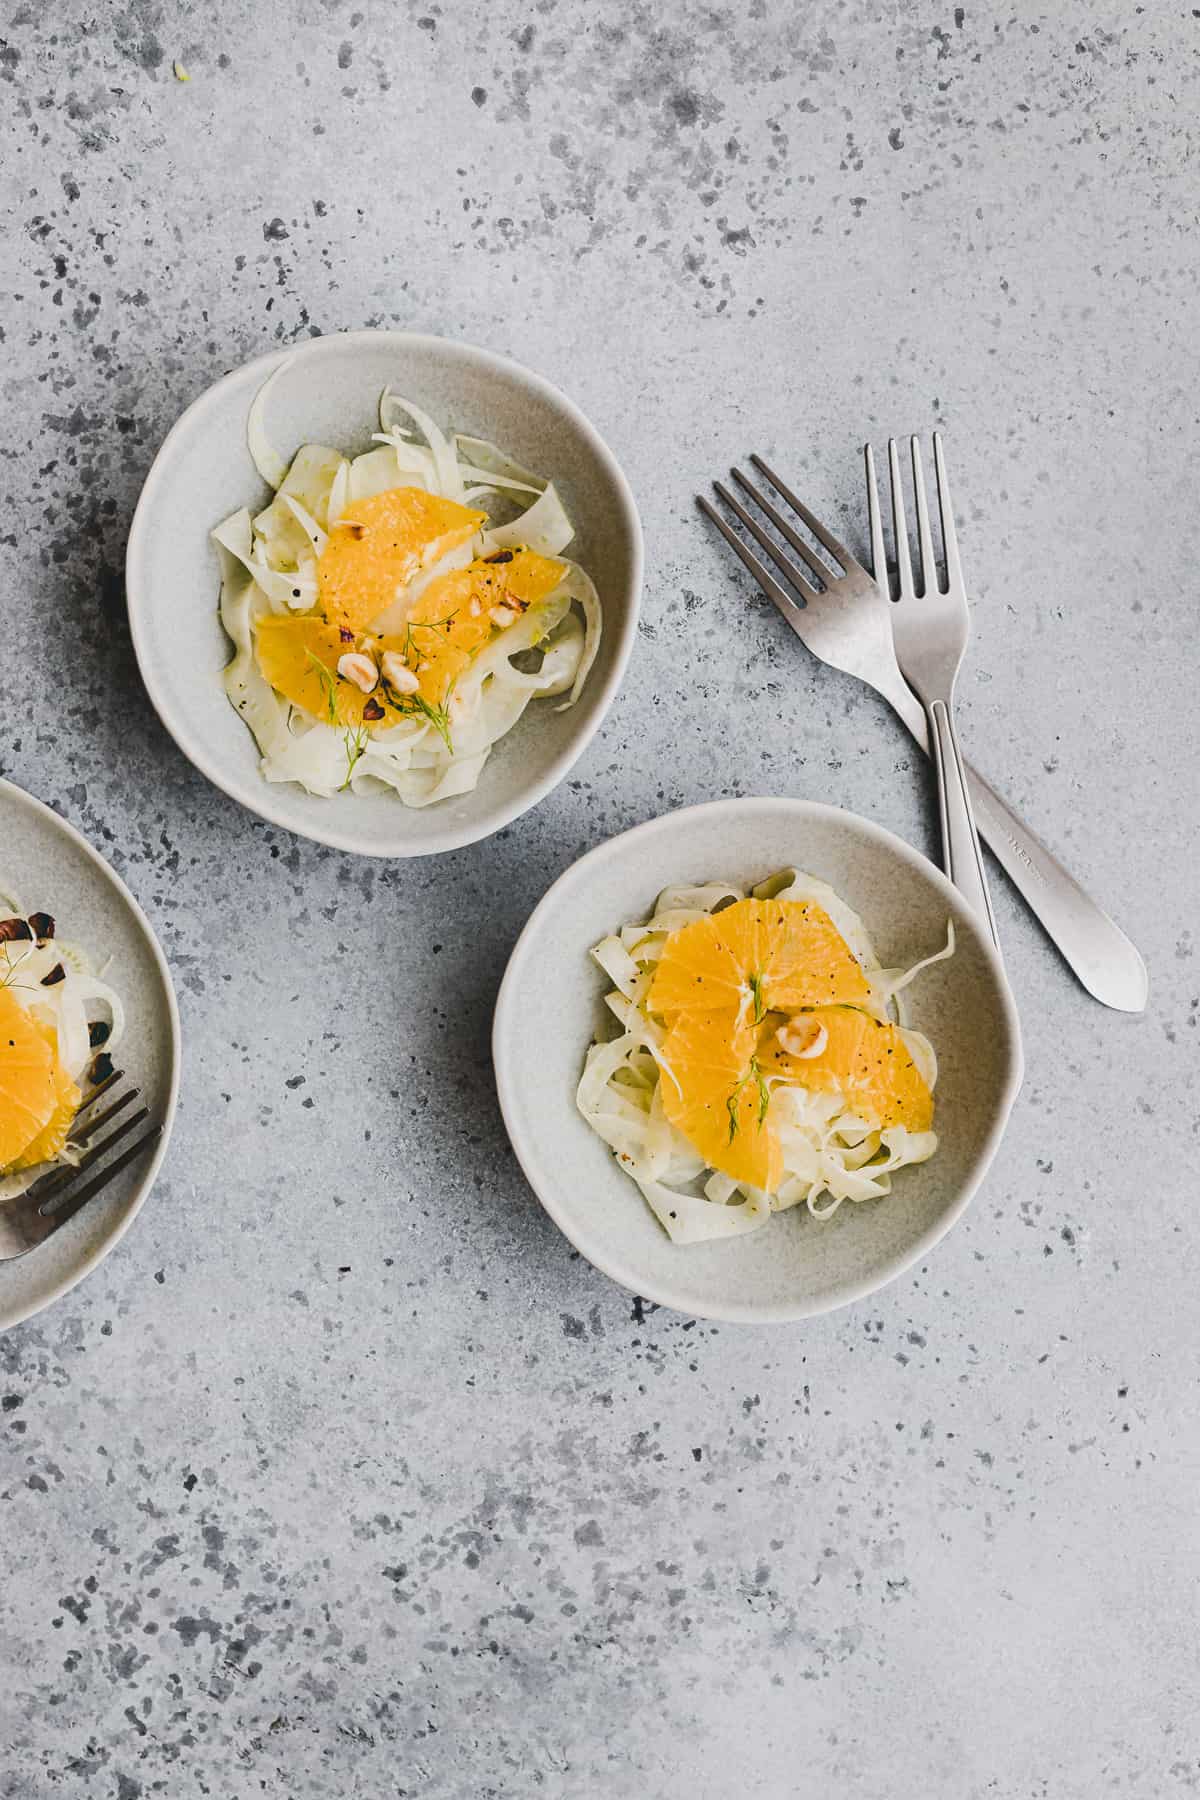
(342, 1476)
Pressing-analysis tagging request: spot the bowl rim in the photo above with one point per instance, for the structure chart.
(150, 1170)
(264, 804)
(736, 1312)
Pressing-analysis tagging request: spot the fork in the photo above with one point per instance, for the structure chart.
(929, 635)
(32, 1217)
(844, 617)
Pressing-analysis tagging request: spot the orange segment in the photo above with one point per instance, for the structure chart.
(720, 1104)
(29, 1090)
(528, 577)
(447, 626)
(755, 956)
(380, 543)
(452, 620)
(53, 1135)
(863, 1059)
(292, 652)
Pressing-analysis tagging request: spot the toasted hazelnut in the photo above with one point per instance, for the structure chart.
(358, 669)
(502, 616)
(397, 673)
(802, 1038)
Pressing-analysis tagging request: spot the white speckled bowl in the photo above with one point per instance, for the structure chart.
(329, 393)
(551, 999)
(47, 865)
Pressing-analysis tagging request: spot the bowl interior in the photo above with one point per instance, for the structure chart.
(548, 1007)
(329, 392)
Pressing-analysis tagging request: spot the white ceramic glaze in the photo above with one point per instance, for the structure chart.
(550, 1000)
(49, 867)
(329, 393)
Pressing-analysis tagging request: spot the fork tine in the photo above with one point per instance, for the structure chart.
(92, 1126)
(930, 582)
(786, 568)
(900, 525)
(101, 1087)
(80, 1197)
(63, 1177)
(783, 600)
(879, 568)
(954, 577)
(785, 530)
(821, 532)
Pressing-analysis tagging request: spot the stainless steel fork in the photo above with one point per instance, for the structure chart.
(930, 627)
(57, 1196)
(844, 617)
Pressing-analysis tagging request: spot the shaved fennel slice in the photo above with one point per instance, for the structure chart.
(235, 538)
(339, 493)
(487, 462)
(891, 983)
(375, 471)
(618, 965)
(449, 479)
(922, 1053)
(308, 525)
(693, 901)
(248, 689)
(267, 460)
(543, 527)
(283, 541)
(580, 587)
(491, 484)
(414, 465)
(693, 1219)
(563, 654)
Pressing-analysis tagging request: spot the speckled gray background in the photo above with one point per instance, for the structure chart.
(342, 1476)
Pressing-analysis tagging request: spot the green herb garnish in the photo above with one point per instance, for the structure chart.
(328, 683)
(356, 748)
(438, 716)
(425, 625)
(754, 1074)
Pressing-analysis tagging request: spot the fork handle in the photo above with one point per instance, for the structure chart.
(1094, 946)
(960, 841)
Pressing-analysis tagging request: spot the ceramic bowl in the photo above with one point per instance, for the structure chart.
(551, 999)
(47, 865)
(329, 392)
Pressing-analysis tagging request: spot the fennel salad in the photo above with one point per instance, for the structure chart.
(59, 1022)
(394, 613)
(760, 1057)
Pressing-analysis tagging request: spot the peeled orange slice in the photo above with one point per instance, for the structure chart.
(865, 1060)
(29, 1085)
(453, 619)
(446, 627)
(299, 657)
(49, 1141)
(717, 1097)
(379, 544)
(754, 957)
